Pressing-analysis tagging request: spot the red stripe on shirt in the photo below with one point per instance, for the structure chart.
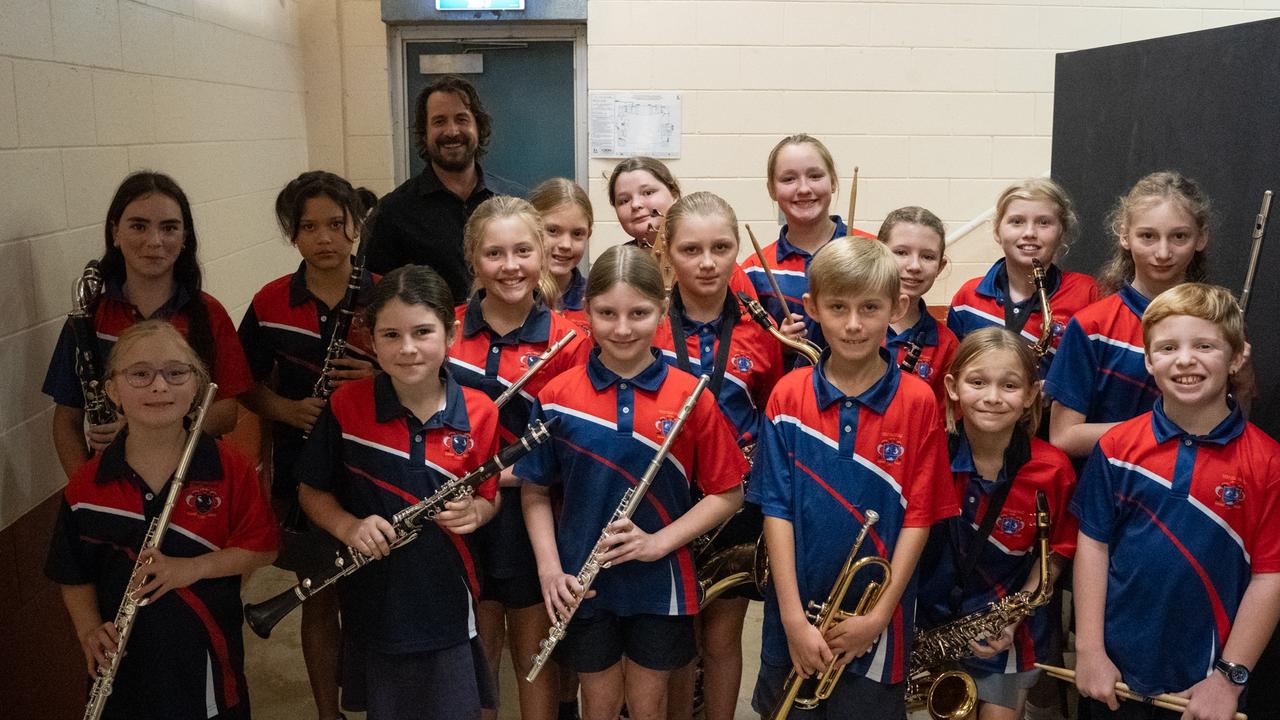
(1215, 602)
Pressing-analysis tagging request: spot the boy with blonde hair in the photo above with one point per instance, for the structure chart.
(1177, 569)
(851, 435)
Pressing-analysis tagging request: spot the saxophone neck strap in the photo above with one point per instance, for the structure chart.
(1016, 455)
(728, 318)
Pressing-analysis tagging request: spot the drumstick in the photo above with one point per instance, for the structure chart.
(773, 281)
(1166, 701)
(853, 198)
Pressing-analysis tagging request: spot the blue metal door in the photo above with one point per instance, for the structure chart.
(527, 86)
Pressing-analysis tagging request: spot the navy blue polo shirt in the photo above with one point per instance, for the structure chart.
(286, 333)
(1100, 370)
(376, 457)
(609, 431)
(823, 460)
(1187, 520)
(185, 658)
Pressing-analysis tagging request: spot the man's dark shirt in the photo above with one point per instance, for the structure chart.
(420, 223)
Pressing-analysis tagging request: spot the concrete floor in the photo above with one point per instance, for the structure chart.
(278, 681)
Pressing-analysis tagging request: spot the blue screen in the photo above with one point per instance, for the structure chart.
(479, 4)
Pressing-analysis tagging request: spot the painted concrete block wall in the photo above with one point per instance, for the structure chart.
(209, 91)
(940, 104)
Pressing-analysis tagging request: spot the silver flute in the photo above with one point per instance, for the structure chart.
(626, 508)
(128, 610)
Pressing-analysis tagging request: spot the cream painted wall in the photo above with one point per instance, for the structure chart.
(209, 91)
(940, 104)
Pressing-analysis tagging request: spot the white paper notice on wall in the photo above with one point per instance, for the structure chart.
(635, 123)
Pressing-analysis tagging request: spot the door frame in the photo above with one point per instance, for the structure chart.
(398, 36)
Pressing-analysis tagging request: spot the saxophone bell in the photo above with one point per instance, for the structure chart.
(950, 694)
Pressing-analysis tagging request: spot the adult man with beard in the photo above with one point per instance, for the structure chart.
(421, 221)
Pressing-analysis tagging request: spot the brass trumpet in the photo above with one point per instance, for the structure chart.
(828, 614)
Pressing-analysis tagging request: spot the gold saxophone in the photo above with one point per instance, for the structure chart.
(803, 346)
(1041, 346)
(828, 614)
(951, 693)
(128, 610)
(727, 568)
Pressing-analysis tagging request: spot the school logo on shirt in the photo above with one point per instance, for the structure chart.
(664, 424)
(741, 363)
(204, 501)
(528, 360)
(891, 450)
(924, 369)
(1010, 524)
(458, 443)
(1230, 494)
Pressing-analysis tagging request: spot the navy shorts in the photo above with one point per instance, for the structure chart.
(515, 593)
(853, 696)
(1128, 711)
(452, 683)
(656, 642)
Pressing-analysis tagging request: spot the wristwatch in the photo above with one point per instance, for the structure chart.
(1238, 674)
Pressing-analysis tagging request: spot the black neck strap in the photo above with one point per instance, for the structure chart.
(1015, 321)
(1016, 455)
(728, 318)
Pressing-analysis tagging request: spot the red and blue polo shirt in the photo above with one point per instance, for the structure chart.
(486, 361)
(286, 333)
(753, 364)
(376, 457)
(1100, 370)
(1010, 555)
(981, 302)
(185, 658)
(790, 265)
(114, 314)
(609, 430)
(938, 347)
(573, 301)
(1187, 520)
(823, 460)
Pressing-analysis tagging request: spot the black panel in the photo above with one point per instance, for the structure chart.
(1206, 104)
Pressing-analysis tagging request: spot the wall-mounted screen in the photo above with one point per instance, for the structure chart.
(479, 4)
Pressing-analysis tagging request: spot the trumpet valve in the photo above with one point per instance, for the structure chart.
(815, 610)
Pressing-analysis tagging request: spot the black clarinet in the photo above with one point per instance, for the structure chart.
(407, 523)
(346, 311)
(90, 368)
(912, 357)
